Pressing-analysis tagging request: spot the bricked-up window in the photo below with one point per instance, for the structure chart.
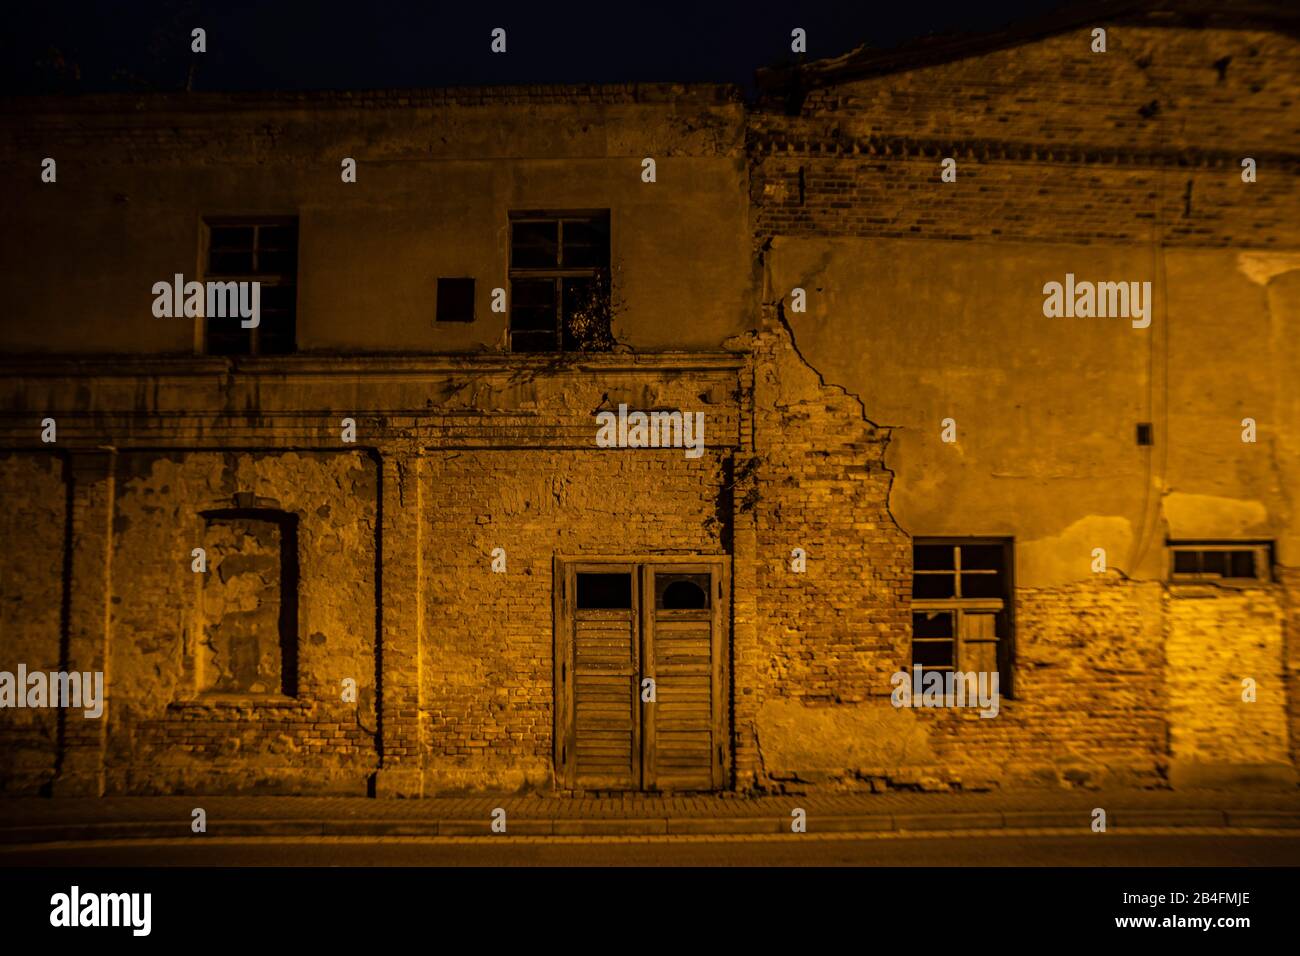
(254, 250)
(560, 282)
(1245, 562)
(962, 601)
(250, 603)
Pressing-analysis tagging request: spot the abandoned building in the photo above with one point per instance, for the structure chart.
(364, 538)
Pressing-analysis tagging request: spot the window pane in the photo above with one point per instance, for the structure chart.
(984, 557)
(534, 342)
(1186, 562)
(932, 654)
(932, 624)
(534, 245)
(1242, 564)
(277, 237)
(226, 337)
(604, 591)
(532, 306)
(224, 238)
(586, 243)
(230, 263)
(981, 585)
(276, 334)
(681, 592)
(1214, 562)
(932, 557)
(932, 586)
(585, 308)
(277, 263)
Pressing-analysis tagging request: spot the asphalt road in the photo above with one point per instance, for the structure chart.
(1175, 849)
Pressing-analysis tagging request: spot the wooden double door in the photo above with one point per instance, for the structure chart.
(641, 672)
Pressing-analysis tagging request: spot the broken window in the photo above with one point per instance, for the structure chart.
(254, 250)
(1232, 561)
(962, 603)
(560, 295)
(249, 610)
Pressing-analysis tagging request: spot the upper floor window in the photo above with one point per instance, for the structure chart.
(1244, 562)
(559, 282)
(254, 250)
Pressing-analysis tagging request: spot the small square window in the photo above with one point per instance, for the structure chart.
(1145, 434)
(455, 300)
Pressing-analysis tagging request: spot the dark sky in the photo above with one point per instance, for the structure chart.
(124, 45)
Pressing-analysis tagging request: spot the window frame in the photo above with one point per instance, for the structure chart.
(1262, 548)
(644, 616)
(958, 606)
(556, 274)
(264, 279)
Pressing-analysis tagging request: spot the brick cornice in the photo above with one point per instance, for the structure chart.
(812, 145)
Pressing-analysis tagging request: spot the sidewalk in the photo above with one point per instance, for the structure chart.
(38, 820)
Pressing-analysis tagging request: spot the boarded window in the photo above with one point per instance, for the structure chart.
(962, 600)
(560, 295)
(249, 643)
(1230, 561)
(254, 250)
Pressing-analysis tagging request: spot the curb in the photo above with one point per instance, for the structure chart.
(654, 826)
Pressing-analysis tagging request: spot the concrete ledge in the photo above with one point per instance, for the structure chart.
(1262, 818)
(642, 827)
(1190, 775)
(228, 828)
(1166, 818)
(860, 824)
(1054, 819)
(948, 821)
(369, 828)
(516, 827)
(729, 825)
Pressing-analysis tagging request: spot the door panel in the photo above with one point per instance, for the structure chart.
(608, 738)
(605, 719)
(680, 653)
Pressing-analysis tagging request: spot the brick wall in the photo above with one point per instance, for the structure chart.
(1053, 143)
(1217, 637)
(813, 685)
(488, 689)
(164, 735)
(1089, 698)
(32, 529)
(831, 635)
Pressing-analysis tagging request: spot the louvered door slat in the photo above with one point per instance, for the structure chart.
(604, 700)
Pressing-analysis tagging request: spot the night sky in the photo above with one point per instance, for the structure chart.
(119, 45)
